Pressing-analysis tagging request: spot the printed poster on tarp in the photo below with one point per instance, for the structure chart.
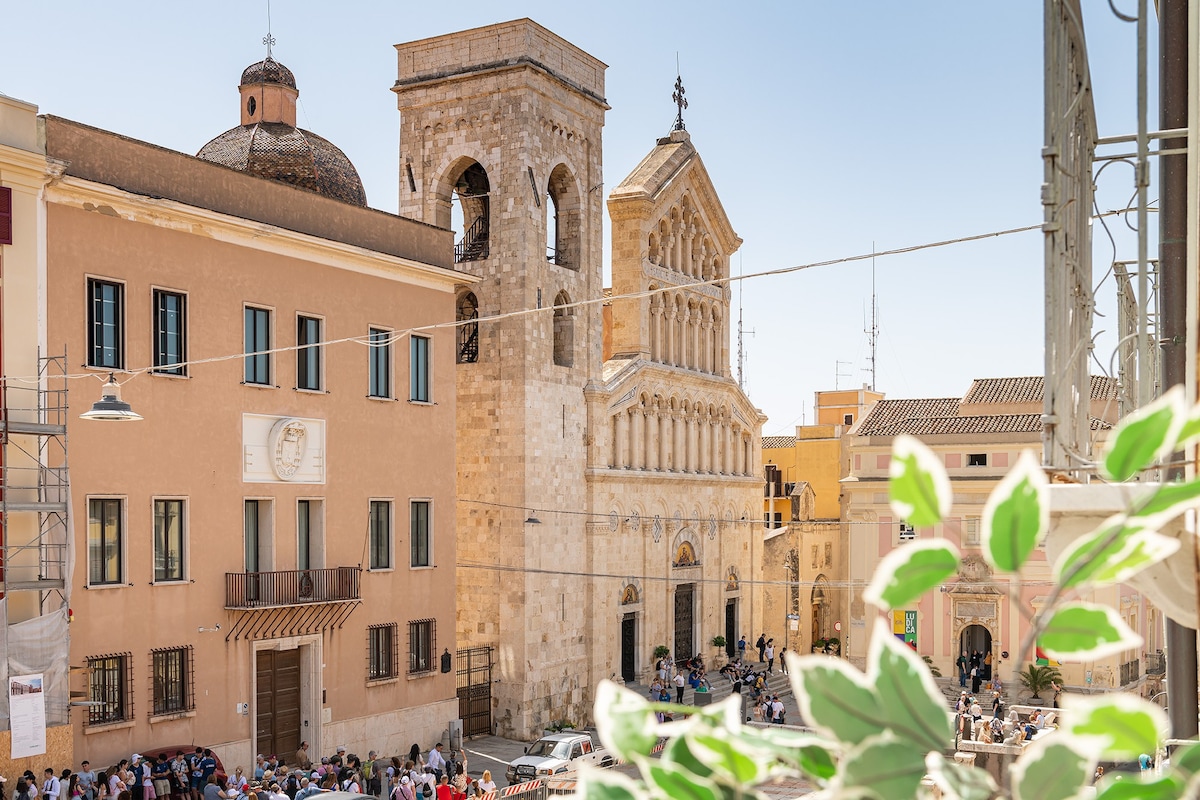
(27, 715)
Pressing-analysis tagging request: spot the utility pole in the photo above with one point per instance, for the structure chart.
(873, 331)
(1173, 282)
(741, 355)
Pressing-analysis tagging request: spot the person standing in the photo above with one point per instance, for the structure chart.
(679, 684)
(160, 775)
(87, 781)
(761, 644)
(437, 762)
(976, 679)
(962, 664)
(769, 650)
(1057, 692)
(302, 758)
(51, 787)
(741, 648)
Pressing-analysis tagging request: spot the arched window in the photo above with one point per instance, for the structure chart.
(467, 311)
(470, 213)
(564, 331)
(563, 219)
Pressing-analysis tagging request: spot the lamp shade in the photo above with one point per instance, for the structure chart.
(110, 407)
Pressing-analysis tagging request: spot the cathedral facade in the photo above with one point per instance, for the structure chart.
(607, 463)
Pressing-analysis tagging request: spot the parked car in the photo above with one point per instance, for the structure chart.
(558, 754)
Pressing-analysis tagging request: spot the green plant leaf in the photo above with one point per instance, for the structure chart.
(908, 572)
(607, 784)
(834, 698)
(1144, 436)
(624, 721)
(679, 784)
(1085, 632)
(728, 758)
(1112, 553)
(678, 752)
(910, 704)
(1168, 501)
(1186, 759)
(1052, 768)
(959, 780)
(1166, 788)
(918, 484)
(812, 754)
(1016, 515)
(1127, 724)
(1189, 431)
(884, 765)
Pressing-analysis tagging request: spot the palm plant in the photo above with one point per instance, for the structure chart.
(1037, 678)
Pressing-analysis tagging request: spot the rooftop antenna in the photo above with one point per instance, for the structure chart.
(268, 40)
(741, 352)
(838, 374)
(678, 97)
(873, 331)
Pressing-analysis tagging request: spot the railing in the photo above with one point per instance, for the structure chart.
(1155, 663)
(1130, 671)
(474, 244)
(291, 587)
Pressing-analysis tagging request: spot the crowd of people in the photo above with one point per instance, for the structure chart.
(745, 676)
(440, 774)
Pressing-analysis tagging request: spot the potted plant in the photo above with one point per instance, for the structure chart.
(819, 646)
(718, 643)
(1038, 679)
(662, 651)
(834, 644)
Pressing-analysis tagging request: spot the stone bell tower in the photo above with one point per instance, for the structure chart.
(500, 140)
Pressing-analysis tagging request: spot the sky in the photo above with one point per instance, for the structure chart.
(829, 130)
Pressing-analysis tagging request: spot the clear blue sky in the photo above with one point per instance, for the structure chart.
(825, 126)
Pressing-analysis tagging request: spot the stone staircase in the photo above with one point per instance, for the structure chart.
(722, 687)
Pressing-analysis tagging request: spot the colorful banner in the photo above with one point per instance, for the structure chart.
(904, 626)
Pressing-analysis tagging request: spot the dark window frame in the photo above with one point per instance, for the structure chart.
(106, 324)
(309, 353)
(379, 364)
(170, 323)
(383, 653)
(163, 573)
(379, 524)
(172, 681)
(422, 645)
(420, 378)
(99, 573)
(420, 533)
(110, 686)
(256, 338)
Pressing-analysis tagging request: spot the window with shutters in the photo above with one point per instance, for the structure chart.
(6, 215)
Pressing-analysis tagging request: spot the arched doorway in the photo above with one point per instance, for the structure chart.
(976, 639)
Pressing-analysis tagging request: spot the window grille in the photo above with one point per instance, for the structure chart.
(110, 681)
(172, 680)
(382, 653)
(422, 641)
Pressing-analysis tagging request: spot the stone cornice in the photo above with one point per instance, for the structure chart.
(172, 215)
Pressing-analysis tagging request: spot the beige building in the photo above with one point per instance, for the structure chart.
(263, 559)
(601, 502)
(978, 437)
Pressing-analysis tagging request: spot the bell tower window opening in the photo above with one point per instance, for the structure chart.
(470, 211)
(563, 211)
(467, 312)
(564, 331)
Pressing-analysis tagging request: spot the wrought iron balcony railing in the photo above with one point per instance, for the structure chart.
(294, 587)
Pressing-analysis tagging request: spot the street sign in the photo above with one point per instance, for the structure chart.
(837, 626)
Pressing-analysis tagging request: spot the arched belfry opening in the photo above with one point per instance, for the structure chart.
(564, 331)
(563, 218)
(464, 206)
(466, 312)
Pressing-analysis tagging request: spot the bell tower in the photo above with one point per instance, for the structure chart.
(500, 140)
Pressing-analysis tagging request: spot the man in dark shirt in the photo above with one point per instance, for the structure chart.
(208, 765)
(160, 773)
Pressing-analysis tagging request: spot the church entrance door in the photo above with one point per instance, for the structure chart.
(731, 635)
(976, 638)
(628, 642)
(685, 643)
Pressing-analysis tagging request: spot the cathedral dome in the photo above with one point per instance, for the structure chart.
(268, 71)
(292, 155)
(268, 143)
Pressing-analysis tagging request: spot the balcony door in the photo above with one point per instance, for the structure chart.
(256, 539)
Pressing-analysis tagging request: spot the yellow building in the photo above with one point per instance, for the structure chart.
(804, 552)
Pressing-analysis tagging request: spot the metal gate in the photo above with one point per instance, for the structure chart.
(628, 643)
(475, 690)
(731, 634)
(684, 613)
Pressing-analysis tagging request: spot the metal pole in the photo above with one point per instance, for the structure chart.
(1142, 179)
(1182, 705)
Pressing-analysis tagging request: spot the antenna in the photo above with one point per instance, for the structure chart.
(741, 351)
(268, 40)
(873, 331)
(837, 373)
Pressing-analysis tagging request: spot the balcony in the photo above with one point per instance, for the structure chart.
(1130, 672)
(296, 587)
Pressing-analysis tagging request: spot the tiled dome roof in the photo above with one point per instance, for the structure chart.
(268, 71)
(281, 152)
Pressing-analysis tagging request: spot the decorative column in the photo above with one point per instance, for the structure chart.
(677, 245)
(669, 315)
(666, 437)
(689, 266)
(707, 339)
(651, 441)
(637, 437)
(621, 440)
(679, 459)
(693, 423)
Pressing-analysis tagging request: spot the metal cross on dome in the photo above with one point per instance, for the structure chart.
(268, 40)
(680, 102)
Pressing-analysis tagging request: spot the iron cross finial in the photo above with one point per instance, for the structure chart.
(268, 40)
(680, 102)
